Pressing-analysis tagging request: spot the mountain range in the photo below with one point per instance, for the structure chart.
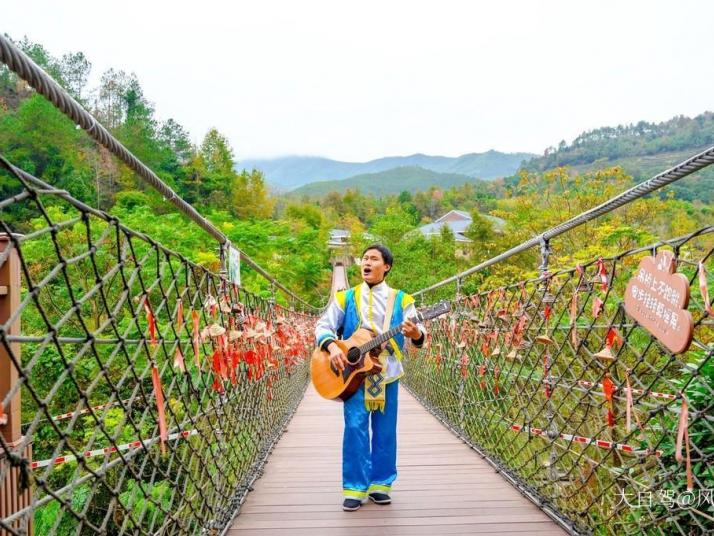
(291, 172)
(390, 181)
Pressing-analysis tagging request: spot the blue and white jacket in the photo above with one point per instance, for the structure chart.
(362, 306)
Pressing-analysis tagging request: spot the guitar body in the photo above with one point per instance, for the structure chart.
(332, 384)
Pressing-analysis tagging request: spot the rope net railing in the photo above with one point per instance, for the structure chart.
(575, 402)
(140, 393)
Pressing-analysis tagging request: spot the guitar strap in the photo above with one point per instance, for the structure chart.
(374, 387)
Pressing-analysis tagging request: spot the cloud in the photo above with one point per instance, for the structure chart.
(357, 81)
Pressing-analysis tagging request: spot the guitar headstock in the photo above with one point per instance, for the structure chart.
(434, 311)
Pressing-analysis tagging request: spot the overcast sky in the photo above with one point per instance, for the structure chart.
(361, 80)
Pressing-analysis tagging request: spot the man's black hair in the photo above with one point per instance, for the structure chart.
(387, 256)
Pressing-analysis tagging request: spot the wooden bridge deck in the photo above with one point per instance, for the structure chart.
(443, 486)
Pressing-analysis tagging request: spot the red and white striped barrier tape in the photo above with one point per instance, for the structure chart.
(71, 414)
(109, 450)
(588, 441)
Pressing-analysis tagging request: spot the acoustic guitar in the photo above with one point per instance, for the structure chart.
(332, 384)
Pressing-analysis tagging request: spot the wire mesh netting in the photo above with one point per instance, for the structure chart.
(576, 402)
(151, 389)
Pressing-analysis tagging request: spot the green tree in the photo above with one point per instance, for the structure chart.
(220, 176)
(307, 213)
(250, 196)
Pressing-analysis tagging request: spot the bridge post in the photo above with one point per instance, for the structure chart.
(553, 431)
(12, 497)
(462, 381)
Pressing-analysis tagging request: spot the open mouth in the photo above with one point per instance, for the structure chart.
(366, 271)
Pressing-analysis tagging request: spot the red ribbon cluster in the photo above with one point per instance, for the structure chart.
(258, 345)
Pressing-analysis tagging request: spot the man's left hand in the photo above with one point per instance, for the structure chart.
(410, 330)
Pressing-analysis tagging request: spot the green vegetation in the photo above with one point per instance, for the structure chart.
(622, 141)
(642, 150)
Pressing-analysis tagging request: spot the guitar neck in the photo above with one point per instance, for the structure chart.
(380, 339)
(433, 312)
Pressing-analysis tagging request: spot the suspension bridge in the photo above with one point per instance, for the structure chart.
(141, 393)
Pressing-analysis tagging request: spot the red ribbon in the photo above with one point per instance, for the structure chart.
(196, 337)
(630, 406)
(608, 389)
(159, 394)
(602, 273)
(546, 375)
(683, 437)
(151, 321)
(484, 346)
(178, 360)
(464, 365)
(269, 385)
(178, 355)
(613, 336)
(496, 374)
(704, 289)
(597, 306)
(490, 300)
(546, 312)
(519, 329)
(250, 359)
(179, 317)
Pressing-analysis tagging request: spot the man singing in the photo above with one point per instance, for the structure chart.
(368, 470)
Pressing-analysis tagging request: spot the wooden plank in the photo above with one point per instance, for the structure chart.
(376, 512)
(443, 487)
(363, 519)
(463, 504)
(494, 529)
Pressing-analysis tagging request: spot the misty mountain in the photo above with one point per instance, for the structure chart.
(294, 171)
(391, 181)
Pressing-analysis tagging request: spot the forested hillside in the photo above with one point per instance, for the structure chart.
(642, 150)
(392, 181)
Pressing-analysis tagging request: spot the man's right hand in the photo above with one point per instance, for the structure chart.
(338, 359)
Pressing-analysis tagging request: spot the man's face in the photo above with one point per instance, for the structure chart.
(373, 267)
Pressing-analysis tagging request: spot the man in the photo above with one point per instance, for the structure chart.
(369, 470)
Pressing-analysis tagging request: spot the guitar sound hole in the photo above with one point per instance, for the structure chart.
(353, 355)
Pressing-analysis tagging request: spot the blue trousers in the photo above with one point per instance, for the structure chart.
(369, 466)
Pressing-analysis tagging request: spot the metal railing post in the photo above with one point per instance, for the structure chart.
(553, 432)
(462, 381)
(12, 497)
